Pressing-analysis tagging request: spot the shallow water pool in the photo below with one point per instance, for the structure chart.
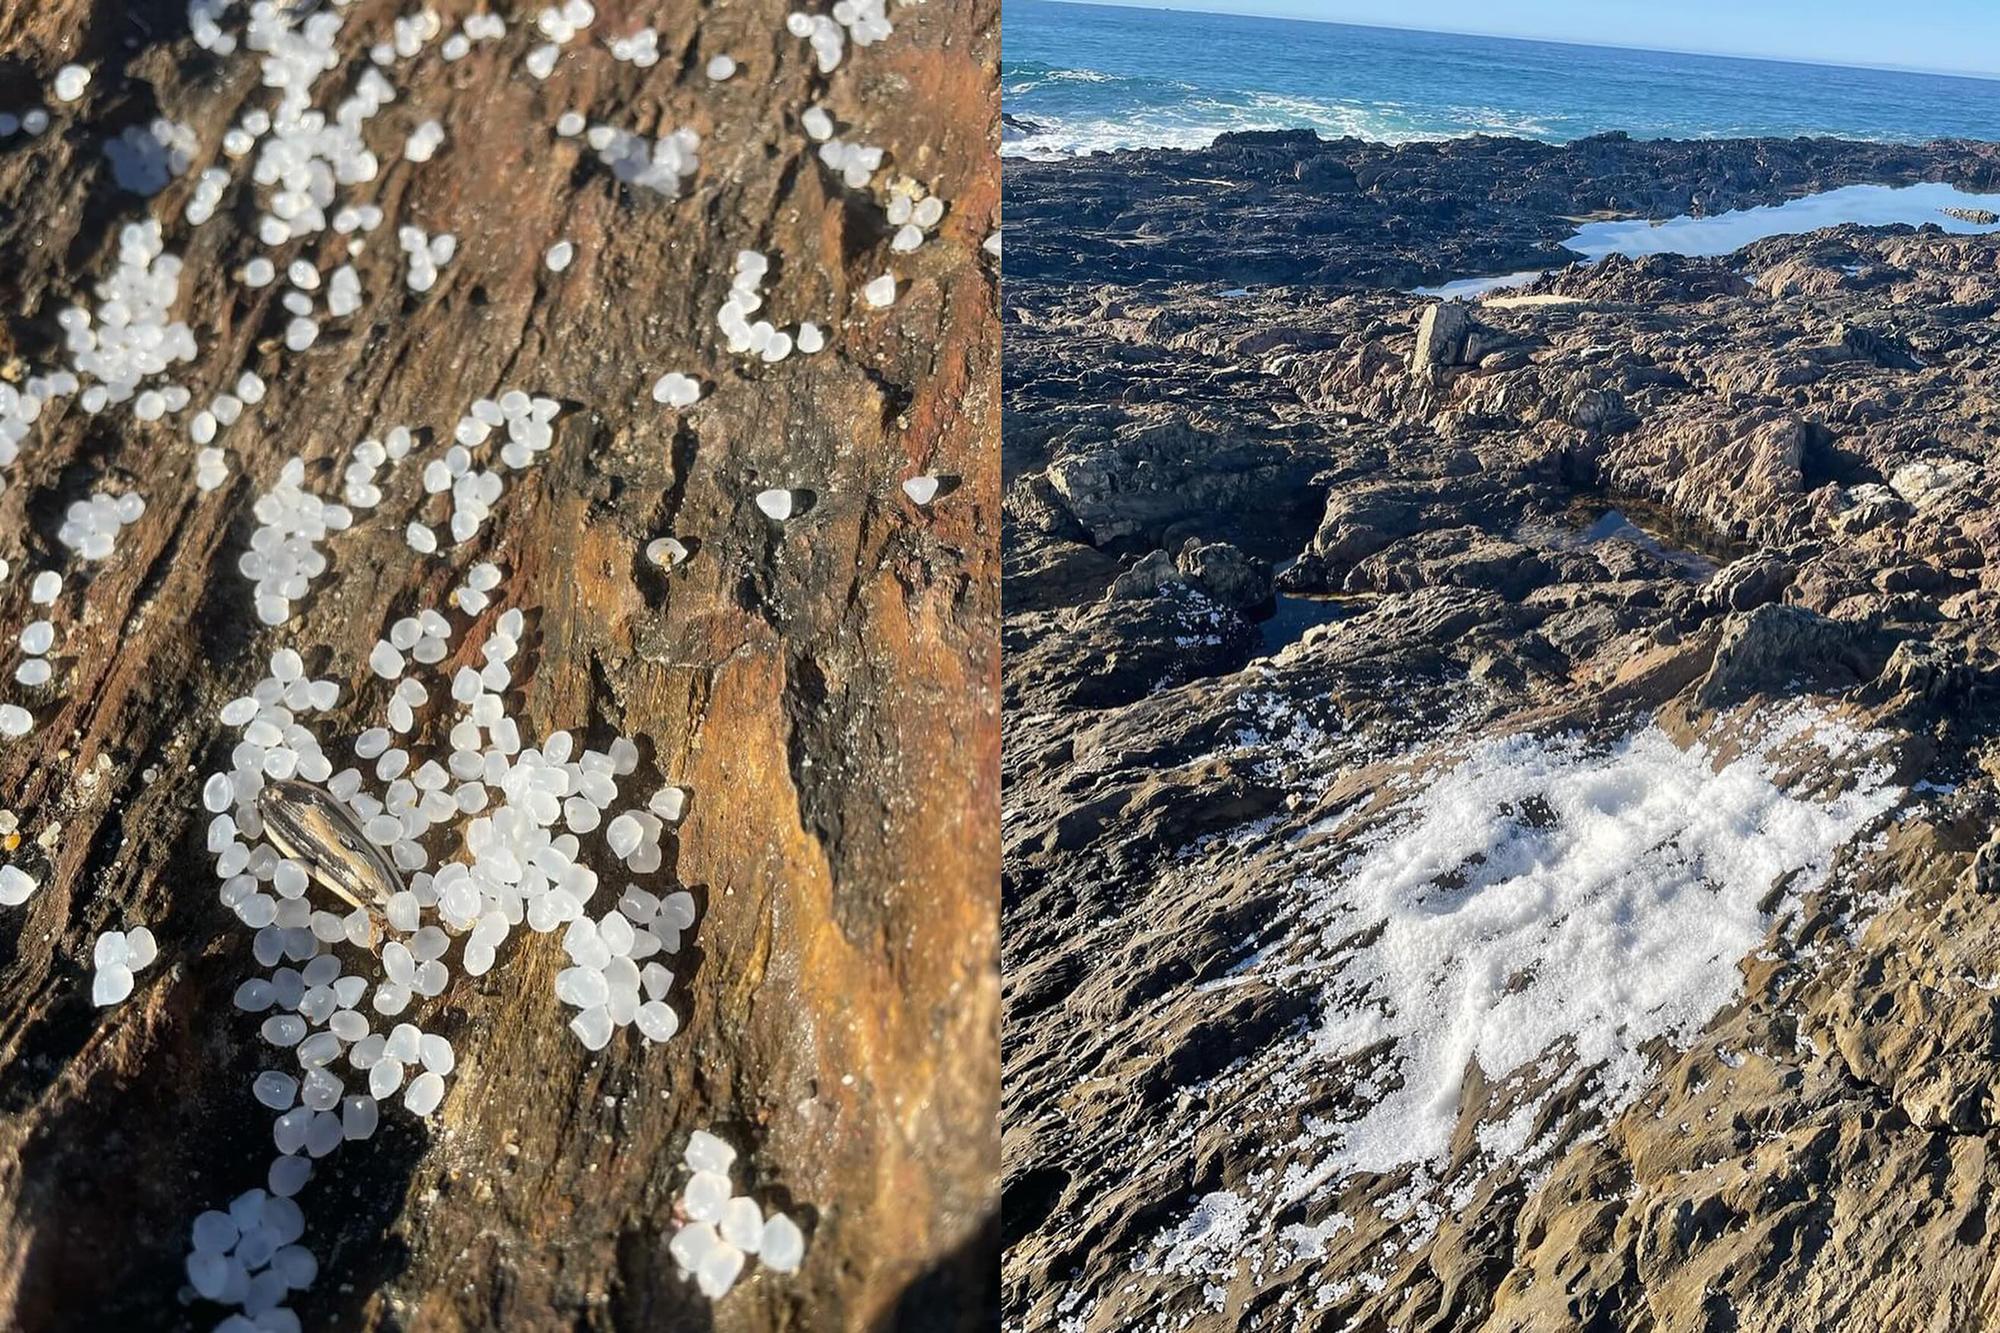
(1293, 616)
(1726, 233)
(1466, 289)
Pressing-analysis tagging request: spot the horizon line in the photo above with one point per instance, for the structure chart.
(1977, 76)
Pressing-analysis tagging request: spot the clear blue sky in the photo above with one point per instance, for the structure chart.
(1956, 36)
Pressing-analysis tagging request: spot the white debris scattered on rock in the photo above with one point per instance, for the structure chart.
(864, 22)
(211, 469)
(207, 195)
(427, 254)
(528, 422)
(472, 596)
(343, 292)
(914, 213)
(36, 639)
(561, 24)
(746, 297)
(367, 460)
(249, 1255)
(856, 163)
(21, 407)
(669, 803)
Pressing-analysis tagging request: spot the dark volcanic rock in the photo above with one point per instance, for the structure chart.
(1238, 581)
(1122, 649)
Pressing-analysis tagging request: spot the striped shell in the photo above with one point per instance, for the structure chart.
(306, 824)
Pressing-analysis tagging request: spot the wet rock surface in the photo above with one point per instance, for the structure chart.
(828, 691)
(1728, 502)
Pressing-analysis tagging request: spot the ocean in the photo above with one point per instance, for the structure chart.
(1095, 77)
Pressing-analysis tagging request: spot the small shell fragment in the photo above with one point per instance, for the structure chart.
(308, 825)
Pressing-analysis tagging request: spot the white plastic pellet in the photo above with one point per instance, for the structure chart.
(676, 390)
(70, 81)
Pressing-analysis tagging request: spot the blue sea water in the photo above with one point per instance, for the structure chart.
(1100, 77)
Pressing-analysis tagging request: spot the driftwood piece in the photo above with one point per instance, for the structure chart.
(828, 689)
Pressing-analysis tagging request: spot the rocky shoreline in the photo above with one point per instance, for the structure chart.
(1286, 206)
(1743, 504)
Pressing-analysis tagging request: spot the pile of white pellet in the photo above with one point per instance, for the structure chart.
(426, 253)
(725, 1228)
(90, 527)
(760, 338)
(145, 159)
(527, 423)
(284, 556)
(132, 337)
(641, 49)
(914, 214)
(118, 954)
(662, 165)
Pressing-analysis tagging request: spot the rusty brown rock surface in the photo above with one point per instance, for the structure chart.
(828, 690)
